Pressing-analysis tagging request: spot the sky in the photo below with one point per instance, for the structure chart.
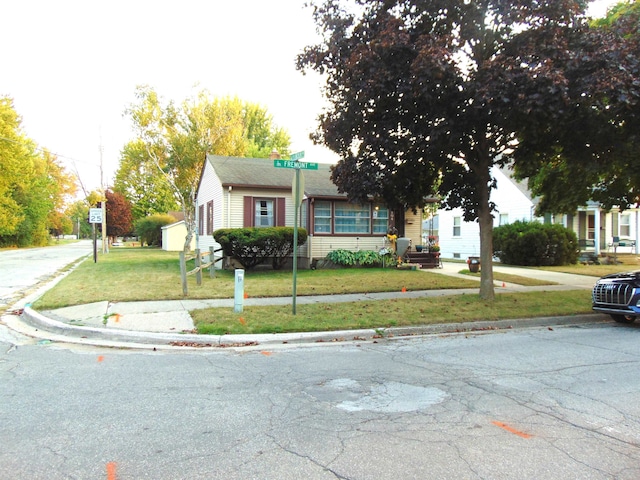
(72, 67)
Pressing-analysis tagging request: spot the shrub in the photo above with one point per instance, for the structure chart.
(347, 258)
(253, 246)
(535, 244)
(149, 229)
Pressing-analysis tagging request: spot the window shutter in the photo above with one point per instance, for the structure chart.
(280, 212)
(248, 212)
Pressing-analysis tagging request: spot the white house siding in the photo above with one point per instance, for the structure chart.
(509, 200)
(210, 189)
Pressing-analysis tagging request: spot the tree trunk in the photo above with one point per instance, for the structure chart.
(486, 253)
(485, 220)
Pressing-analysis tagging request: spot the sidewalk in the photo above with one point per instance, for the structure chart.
(163, 323)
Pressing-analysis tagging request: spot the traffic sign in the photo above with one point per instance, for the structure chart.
(95, 215)
(295, 164)
(297, 155)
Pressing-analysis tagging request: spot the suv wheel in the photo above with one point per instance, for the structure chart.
(623, 318)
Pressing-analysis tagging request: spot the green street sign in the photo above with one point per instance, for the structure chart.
(294, 164)
(296, 156)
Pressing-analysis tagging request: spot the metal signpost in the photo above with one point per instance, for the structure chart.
(95, 216)
(297, 193)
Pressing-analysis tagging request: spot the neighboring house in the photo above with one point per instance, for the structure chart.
(173, 237)
(247, 192)
(605, 231)
(460, 239)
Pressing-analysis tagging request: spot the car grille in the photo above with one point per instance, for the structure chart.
(612, 293)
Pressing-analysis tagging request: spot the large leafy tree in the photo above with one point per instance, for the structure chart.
(33, 185)
(140, 181)
(176, 138)
(427, 96)
(602, 161)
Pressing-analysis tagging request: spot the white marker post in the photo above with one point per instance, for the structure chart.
(238, 303)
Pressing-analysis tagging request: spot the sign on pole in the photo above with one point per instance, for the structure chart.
(295, 165)
(95, 215)
(297, 155)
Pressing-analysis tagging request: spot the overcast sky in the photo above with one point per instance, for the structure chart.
(72, 66)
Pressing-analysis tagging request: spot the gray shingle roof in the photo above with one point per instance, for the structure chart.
(260, 173)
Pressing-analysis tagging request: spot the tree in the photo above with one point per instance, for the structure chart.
(119, 219)
(601, 164)
(140, 181)
(33, 185)
(427, 96)
(176, 138)
(78, 213)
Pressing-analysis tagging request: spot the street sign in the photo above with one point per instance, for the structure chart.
(295, 164)
(95, 215)
(297, 155)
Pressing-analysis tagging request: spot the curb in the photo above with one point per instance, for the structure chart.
(43, 327)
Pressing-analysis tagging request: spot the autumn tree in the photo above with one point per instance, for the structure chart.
(119, 219)
(176, 138)
(33, 185)
(427, 96)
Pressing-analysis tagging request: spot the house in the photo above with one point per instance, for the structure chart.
(251, 192)
(460, 239)
(598, 231)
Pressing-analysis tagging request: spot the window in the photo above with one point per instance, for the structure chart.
(346, 218)
(504, 219)
(625, 225)
(457, 223)
(322, 217)
(380, 219)
(263, 213)
(350, 218)
(210, 217)
(200, 219)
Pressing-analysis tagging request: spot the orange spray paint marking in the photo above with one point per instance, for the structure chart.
(266, 354)
(111, 471)
(100, 358)
(242, 321)
(118, 317)
(509, 429)
(246, 295)
(404, 289)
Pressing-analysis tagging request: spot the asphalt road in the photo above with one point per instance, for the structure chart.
(542, 403)
(23, 269)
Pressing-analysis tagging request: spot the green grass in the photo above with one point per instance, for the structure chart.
(135, 274)
(507, 277)
(390, 313)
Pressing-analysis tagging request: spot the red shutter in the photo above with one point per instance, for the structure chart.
(248, 212)
(280, 212)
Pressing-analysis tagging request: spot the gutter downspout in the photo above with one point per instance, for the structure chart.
(229, 206)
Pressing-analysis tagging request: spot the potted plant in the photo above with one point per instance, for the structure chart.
(418, 248)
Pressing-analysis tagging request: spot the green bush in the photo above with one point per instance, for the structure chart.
(535, 244)
(347, 258)
(149, 229)
(253, 246)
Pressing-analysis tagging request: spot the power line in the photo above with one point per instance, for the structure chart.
(42, 149)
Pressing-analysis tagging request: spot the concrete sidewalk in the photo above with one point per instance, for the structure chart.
(169, 322)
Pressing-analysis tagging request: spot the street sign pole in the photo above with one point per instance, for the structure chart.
(295, 239)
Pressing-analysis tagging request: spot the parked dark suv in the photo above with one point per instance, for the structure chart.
(618, 295)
